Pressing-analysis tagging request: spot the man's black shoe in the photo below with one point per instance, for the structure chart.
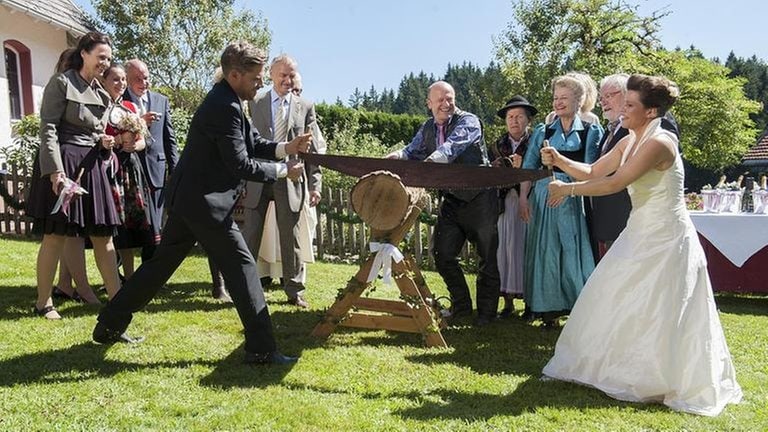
(454, 313)
(483, 320)
(274, 358)
(103, 335)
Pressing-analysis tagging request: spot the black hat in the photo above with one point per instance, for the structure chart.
(517, 101)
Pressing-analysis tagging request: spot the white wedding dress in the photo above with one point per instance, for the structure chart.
(645, 327)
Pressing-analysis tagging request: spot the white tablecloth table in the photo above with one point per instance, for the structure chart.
(736, 245)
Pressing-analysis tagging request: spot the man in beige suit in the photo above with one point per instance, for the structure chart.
(280, 114)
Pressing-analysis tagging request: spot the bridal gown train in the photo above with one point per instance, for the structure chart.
(645, 327)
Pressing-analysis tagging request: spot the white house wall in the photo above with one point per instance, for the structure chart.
(45, 43)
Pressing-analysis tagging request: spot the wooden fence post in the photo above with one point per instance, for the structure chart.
(340, 243)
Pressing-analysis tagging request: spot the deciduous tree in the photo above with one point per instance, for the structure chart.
(180, 40)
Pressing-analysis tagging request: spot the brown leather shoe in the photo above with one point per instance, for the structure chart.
(299, 302)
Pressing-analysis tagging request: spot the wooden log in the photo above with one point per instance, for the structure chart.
(381, 200)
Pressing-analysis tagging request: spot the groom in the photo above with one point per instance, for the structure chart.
(221, 152)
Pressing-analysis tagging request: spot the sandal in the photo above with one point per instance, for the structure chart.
(59, 293)
(48, 312)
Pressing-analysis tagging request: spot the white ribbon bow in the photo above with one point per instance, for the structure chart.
(385, 253)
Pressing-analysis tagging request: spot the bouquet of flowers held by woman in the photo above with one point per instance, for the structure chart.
(131, 126)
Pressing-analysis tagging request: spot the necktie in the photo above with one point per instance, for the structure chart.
(281, 124)
(440, 134)
(609, 138)
(142, 106)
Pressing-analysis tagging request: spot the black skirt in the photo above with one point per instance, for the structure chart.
(91, 214)
(135, 205)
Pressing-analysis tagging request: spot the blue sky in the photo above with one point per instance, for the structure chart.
(343, 44)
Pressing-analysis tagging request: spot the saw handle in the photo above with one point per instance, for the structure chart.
(545, 144)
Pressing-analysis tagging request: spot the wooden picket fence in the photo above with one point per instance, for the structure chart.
(337, 239)
(16, 181)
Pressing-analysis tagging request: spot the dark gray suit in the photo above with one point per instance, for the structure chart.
(289, 196)
(220, 152)
(610, 212)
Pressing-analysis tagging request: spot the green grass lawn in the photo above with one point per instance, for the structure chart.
(188, 374)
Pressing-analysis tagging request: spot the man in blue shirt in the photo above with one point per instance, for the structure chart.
(455, 136)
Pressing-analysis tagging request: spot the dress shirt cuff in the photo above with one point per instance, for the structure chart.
(399, 154)
(438, 157)
(280, 151)
(282, 170)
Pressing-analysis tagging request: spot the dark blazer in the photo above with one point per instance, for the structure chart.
(503, 148)
(161, 149)
(218, 156)
(610, 212)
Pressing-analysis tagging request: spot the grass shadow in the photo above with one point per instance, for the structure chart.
(742, 304)
(72, 364)
(231, 373)
(528, 397)
(508, 346)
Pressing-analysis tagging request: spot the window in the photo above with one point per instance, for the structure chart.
(18, 71)
(14, 82)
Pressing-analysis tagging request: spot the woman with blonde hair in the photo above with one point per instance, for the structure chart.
(558, 254)
(587, 104)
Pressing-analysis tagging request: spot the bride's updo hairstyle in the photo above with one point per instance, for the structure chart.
(655, 92)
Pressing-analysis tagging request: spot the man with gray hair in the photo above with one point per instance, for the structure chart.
(161, 154)
(221, 152)
(610, 212)
(279, 114)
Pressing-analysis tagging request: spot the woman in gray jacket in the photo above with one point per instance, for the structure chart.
(74, 148)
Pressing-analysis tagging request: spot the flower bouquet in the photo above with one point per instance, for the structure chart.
(693, 201)
(131, 126)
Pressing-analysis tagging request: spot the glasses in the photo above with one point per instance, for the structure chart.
(609, 95)
(297, 91)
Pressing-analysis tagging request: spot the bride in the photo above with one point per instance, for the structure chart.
(645, 328)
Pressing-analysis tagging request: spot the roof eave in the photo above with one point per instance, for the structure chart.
(77, 30)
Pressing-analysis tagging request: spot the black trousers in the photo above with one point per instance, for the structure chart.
(226, 247)
(475, 221)
(156, 205)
